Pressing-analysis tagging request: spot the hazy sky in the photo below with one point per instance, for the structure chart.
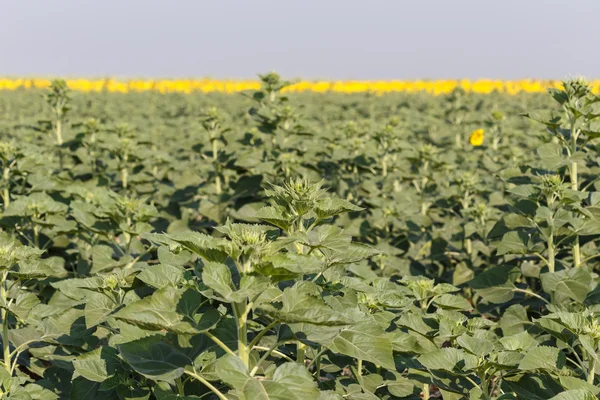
(335, 39)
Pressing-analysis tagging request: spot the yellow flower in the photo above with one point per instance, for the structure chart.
(477, 137)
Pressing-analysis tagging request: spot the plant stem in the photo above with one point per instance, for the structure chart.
(218, 188)
(316, 359)
(58, 131)
(426, 391)
(124, 176)
(263, 358)
(36, 236)
(592, 371)
(359, 367)
(300, 352)
(574, 186)
(5, 339)
(276, 352)
(257, 338)
(6, 196)
(206, 383)
(220, 343)
(551, 252)
(241, 316)
(530, 293)
(484, 386)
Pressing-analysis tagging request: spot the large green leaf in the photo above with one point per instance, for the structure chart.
(300, 304)
(448, 359)
(157, 312)
(154, 358)
(496, 284)
(542, 358)
(289, 381)
(365, 342)
(161, 275)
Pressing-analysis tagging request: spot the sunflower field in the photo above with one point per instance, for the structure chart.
(295, 245)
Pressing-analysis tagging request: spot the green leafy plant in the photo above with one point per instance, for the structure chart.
(386, 259)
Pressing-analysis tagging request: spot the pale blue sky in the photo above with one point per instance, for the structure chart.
(331, 39)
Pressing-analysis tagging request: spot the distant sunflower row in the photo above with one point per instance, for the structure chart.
(232, 86)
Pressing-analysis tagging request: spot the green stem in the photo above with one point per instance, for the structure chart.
(36, 236)
(574, 186)
(263, 358)
(218, 188)
(220, 343)
(206, 383)
(242, 328)
(300, 352)
(180, 387)
(6, 196)
(257, 338)
(551, 252)
(484, 386)
(316, 359)
(58, 132)
(5, 339)
(276, 352)
(468, 246)
(592, 371)
(531, 294)
(359, 367)
(585, 260)
(124, 176)
(426, 391)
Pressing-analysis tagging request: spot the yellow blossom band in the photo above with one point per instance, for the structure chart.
(230, 86)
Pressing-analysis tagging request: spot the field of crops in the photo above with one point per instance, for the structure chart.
(298, 246)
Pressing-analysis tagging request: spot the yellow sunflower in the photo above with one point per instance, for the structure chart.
(477, 137)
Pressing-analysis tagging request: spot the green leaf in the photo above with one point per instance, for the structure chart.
(496, 284)
(542, 358)
(514, 242)
(329, 207)
(31, 391)
(551, 155)
(97, 365)
(98, 307)
(176, 259)
(520, 341)
(448, 359)
(274, 216)
(577, 394)
(290, 381)
(217, 276)
(231, 370)
(154, 358)
(300, 304)
(157, 312)
(400, 387)
(161, 275)
(208, 247)
(102, 259)
(533, 387)
(366, 342)
(572, 383)
(570, 284)
(476, 346)
(46, 268)
(452, 302)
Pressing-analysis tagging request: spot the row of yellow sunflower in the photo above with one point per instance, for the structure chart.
(229, 86)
